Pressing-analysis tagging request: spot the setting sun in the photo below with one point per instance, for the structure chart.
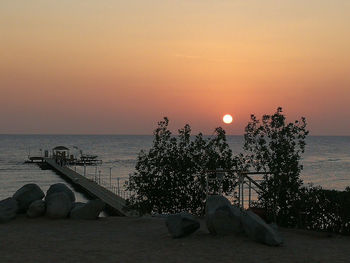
(227, 119)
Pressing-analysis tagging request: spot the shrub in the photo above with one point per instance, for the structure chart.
(171, 176)
(325, 210)
(275, 146)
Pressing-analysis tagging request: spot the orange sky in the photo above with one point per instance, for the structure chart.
(117, 67)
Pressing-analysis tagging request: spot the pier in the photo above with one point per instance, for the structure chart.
(115, 204)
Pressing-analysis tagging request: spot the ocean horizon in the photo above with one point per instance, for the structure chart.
(326, 160)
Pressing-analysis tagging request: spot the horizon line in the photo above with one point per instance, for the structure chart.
(137, 134)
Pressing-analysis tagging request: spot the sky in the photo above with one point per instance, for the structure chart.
(118, 67)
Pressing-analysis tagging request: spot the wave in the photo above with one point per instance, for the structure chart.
(123, 161)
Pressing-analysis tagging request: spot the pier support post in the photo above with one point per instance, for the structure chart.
(110, 176)
(118, 185)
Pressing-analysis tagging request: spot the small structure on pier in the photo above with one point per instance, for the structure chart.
(62, 155)
(60, 151)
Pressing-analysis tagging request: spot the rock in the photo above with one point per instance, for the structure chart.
(90, 210)
(8, 209)
(57, 188)
(77, 204)
(157, 215)
(181, 225)
(58, 205)
(36, 209)
(258, 230)
(26, 195)
(221, 217)
(273, 226)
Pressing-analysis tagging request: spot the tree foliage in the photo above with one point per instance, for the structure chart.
(275, 146)
(171, 176)
(325, 210)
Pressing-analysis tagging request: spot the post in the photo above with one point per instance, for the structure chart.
(250, 194)
(110, 176)
(84, 169)
(118, 185)
(99, 177)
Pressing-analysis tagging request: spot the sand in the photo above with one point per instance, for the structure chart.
(117, 239)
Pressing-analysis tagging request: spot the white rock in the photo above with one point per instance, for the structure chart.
(181, 225)
(255, 227)
(221, 217)
(90, 210)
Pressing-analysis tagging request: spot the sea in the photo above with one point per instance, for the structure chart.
(326, 160)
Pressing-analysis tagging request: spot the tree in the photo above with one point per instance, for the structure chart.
(171, 176)
(275, 146)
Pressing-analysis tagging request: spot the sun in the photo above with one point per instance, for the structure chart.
(227, 119)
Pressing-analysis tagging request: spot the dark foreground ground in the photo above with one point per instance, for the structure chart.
(116, 239)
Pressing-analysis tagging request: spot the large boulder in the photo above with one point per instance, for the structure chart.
(256, 228)
(58, 205)
(8, 209)
(77, 204)
(26, 195)
(36, 209)
(181, 225)
(221, 217)
(90, 210)
(58, 188)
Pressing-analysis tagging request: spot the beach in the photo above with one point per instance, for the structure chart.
(146, 239)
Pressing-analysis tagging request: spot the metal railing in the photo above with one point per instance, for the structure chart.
(99, 178)
(248, 188)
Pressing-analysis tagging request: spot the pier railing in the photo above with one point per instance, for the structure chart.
(247, 191)
(114, 188)
(113, 184)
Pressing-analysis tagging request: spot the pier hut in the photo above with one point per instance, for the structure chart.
(60, 151)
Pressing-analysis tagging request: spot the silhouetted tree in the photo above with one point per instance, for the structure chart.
(276, 146)
(171, 176)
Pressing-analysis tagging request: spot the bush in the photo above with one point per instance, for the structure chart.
(325, 210)
(171, 176)
(275, 146)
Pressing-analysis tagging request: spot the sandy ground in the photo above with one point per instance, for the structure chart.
(120, 239)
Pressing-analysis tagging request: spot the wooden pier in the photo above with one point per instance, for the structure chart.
(115, 204)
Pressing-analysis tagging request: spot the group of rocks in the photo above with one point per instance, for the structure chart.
(222, 218)
(58, 203)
